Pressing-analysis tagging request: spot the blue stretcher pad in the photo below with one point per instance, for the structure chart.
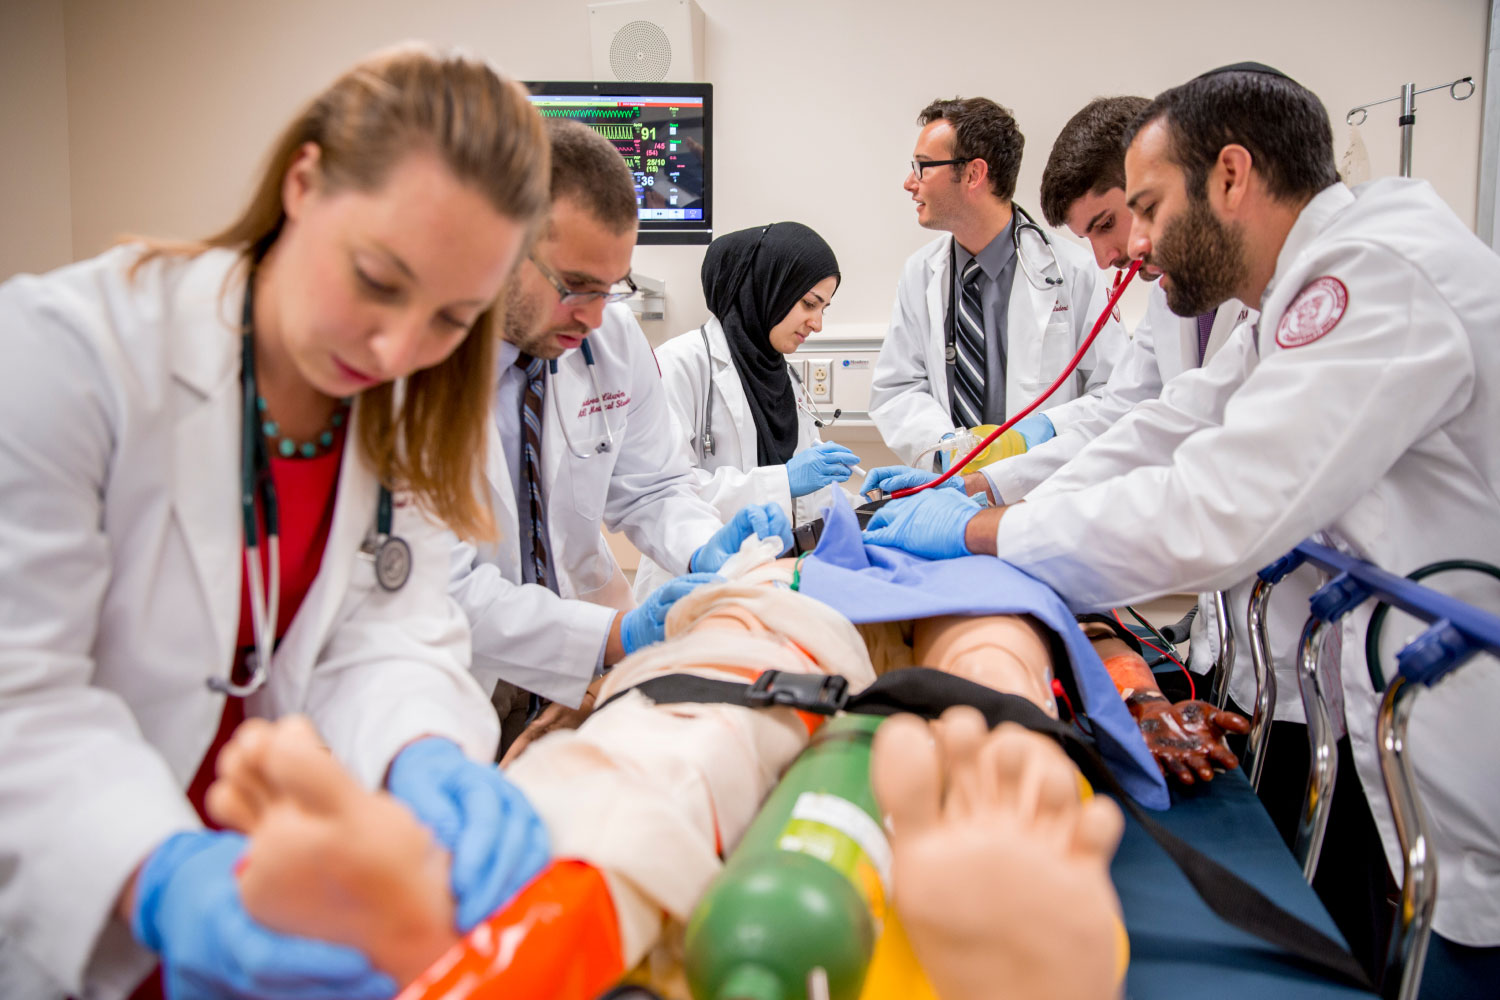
(872, 583)
(1178, 948)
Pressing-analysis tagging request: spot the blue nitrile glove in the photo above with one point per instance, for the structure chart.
(188, 911)
(1035, 429)
(648, 623)
(497, 841)
(929, 524)
(891, 478)
(941, 458)
(763, 520)
(822, 465)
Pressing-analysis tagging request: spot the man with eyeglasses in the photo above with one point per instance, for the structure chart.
(582, 440)
(987, 317)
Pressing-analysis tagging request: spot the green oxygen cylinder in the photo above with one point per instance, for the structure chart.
(806, 888)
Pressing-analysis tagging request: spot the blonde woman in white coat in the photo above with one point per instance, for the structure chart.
(742, 413)
(331, 347)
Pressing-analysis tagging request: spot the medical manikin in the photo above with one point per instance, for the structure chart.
(649, 797)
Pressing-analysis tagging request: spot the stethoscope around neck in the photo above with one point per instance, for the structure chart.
(606, 443)
(707, 445)
(1023, 228)
(391, 554)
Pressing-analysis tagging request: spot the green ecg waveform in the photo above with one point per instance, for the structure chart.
(588, 112)
(615, 131)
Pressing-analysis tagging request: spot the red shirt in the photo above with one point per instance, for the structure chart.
(305, 490)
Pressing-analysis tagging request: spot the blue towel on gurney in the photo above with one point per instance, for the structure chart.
(871, 583)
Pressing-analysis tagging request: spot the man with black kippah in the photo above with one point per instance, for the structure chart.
(1363, 407)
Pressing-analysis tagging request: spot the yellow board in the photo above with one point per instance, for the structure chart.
(894, 972)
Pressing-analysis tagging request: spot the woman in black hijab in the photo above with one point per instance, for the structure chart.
(751, 430)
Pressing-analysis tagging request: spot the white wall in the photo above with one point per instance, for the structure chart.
(171, 103)
(35, 215)
(1489, 158)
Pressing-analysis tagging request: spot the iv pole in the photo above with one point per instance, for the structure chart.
(1408, 117)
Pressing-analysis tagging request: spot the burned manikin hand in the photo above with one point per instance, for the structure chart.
(1187, 739)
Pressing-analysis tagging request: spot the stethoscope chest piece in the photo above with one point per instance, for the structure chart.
(392, 563)
(391, 553)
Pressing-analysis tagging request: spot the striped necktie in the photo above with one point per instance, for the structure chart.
(531, 426)
(968, 343)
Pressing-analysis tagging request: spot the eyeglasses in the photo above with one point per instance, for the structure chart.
(917, 166)
(570, 297)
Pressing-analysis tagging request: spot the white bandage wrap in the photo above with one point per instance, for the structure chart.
(653, 795)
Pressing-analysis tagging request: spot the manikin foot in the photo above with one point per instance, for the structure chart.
(327, 858)
(1001, 872)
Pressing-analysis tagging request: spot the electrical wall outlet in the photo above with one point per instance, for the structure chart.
(820, 379)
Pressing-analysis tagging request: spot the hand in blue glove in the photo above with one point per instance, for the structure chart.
(929, 524)
(648, 623)
(1035, 429)
(188, 911)
(765, 520)
(891, 478)
(822, 465)
(497, 841)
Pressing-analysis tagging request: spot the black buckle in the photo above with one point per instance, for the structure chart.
(821, 694)
(805, 537)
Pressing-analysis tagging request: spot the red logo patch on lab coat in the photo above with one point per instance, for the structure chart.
(1315, 311)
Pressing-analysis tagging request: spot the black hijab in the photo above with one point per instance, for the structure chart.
(751, 280)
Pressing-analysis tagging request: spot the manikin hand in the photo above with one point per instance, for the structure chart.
(1186, 738)
(554, 716)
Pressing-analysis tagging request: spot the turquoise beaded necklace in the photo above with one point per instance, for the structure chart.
(288, 448)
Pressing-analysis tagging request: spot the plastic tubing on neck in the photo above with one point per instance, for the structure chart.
(1109, 307)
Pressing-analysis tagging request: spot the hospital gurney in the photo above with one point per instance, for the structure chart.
(1178, 948)
(1457, 631)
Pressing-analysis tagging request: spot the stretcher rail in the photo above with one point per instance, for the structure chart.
(1456, 632)
(1227, 648)
(1265, 681)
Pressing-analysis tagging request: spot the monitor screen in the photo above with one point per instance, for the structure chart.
(665, 133)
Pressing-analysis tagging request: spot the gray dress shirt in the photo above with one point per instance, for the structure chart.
(998, 262)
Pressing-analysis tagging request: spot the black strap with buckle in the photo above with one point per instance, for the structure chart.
(927, 693)
(821, 694)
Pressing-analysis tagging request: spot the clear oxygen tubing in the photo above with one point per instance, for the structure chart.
(1109, 307)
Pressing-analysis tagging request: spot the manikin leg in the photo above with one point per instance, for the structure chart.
(1005, 652)
(646, 796)
(327, 858)
(1001, 869)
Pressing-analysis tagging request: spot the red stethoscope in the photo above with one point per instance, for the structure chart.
(1122, 279)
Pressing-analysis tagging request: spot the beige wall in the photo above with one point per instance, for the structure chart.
(171, 103)
(35, 215)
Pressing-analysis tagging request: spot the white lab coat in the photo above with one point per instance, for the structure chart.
(1163, 346)
(121, 528)
(1380, 434)
(909, 391)
(524, 633)
(729, 478)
